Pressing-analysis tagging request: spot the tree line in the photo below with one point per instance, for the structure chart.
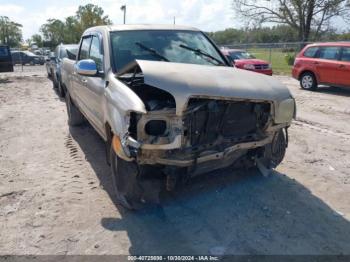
(267, 21)
(10, 32)
(69, 30)
(307, 18)
(275, 34)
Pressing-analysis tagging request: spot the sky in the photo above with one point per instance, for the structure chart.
(208, 15)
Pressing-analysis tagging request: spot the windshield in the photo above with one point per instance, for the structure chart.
(162, 45)
(241, 55)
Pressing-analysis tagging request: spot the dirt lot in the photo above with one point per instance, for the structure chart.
(56, 195)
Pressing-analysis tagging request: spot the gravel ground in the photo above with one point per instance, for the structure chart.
(56, 195)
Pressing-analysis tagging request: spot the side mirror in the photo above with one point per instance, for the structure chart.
(86, 67)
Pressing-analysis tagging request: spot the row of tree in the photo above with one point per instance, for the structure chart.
(305, 17)
(275, 34)
(56, 31)
(10, 32)
(295, 20)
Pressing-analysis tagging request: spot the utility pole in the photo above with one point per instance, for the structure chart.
(174, 20)
(123, 8)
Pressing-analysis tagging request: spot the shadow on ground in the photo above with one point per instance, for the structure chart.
(337, 91)
(226, 212)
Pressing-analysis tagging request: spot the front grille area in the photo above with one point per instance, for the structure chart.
(261, 67)
(209, 121)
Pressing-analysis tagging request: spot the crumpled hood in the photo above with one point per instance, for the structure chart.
(188, 80)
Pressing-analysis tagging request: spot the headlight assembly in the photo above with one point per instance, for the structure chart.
(285, 111)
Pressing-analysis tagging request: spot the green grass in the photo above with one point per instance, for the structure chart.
(276, 58)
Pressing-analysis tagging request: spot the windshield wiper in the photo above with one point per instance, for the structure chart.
(202, 53)
(152, 51)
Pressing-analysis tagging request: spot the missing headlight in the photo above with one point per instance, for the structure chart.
(155, 127)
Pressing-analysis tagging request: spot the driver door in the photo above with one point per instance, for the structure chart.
(93, 87)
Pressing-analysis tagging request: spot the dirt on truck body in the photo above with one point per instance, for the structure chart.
(165, 97)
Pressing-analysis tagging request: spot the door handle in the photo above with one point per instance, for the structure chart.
(316, 63)
(341, 66)
(84, 80)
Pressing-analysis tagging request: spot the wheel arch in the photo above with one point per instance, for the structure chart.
(308, 71)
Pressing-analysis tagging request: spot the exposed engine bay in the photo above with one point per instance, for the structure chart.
(210, 133)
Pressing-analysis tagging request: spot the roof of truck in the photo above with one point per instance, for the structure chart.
(142, 27)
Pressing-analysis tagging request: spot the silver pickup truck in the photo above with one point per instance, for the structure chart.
(168, 104)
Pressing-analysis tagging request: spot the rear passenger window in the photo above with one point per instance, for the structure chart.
(311, 52)
(345, 54)
(84, 48)
(330, 53)
(95, 53)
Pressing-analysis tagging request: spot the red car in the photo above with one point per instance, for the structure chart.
(326, 64)
(243, 60)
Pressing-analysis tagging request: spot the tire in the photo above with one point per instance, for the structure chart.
(54, 82)
(60, 89)
(308, 81)
(125, 182)
(75, 117)
(276, 150)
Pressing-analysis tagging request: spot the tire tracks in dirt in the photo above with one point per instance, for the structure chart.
(320, 128)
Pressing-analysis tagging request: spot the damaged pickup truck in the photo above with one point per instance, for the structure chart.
(168, 105)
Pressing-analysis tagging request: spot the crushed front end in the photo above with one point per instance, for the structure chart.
(195, 134)
(211, 134)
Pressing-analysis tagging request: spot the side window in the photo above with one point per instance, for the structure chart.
(345, 54)
(311, 52)
(84, 48)
(329, 53)
(95, 53)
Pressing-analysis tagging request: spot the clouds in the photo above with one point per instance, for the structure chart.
(7, 9)
(208, 15)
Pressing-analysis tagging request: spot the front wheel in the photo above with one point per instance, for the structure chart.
(75, 117)
(308, 81)
(276, 150)
(125, 181)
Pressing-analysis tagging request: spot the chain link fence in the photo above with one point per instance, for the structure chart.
(279, 55)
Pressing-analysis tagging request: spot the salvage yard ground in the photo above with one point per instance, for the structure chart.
(56, 195)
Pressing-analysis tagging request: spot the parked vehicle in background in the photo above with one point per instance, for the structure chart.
(49, 64)
(61, 52)
(168, 103)
(26, 57)
(5, 59)
(323, 64)
(243, 60)
(38, 52)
